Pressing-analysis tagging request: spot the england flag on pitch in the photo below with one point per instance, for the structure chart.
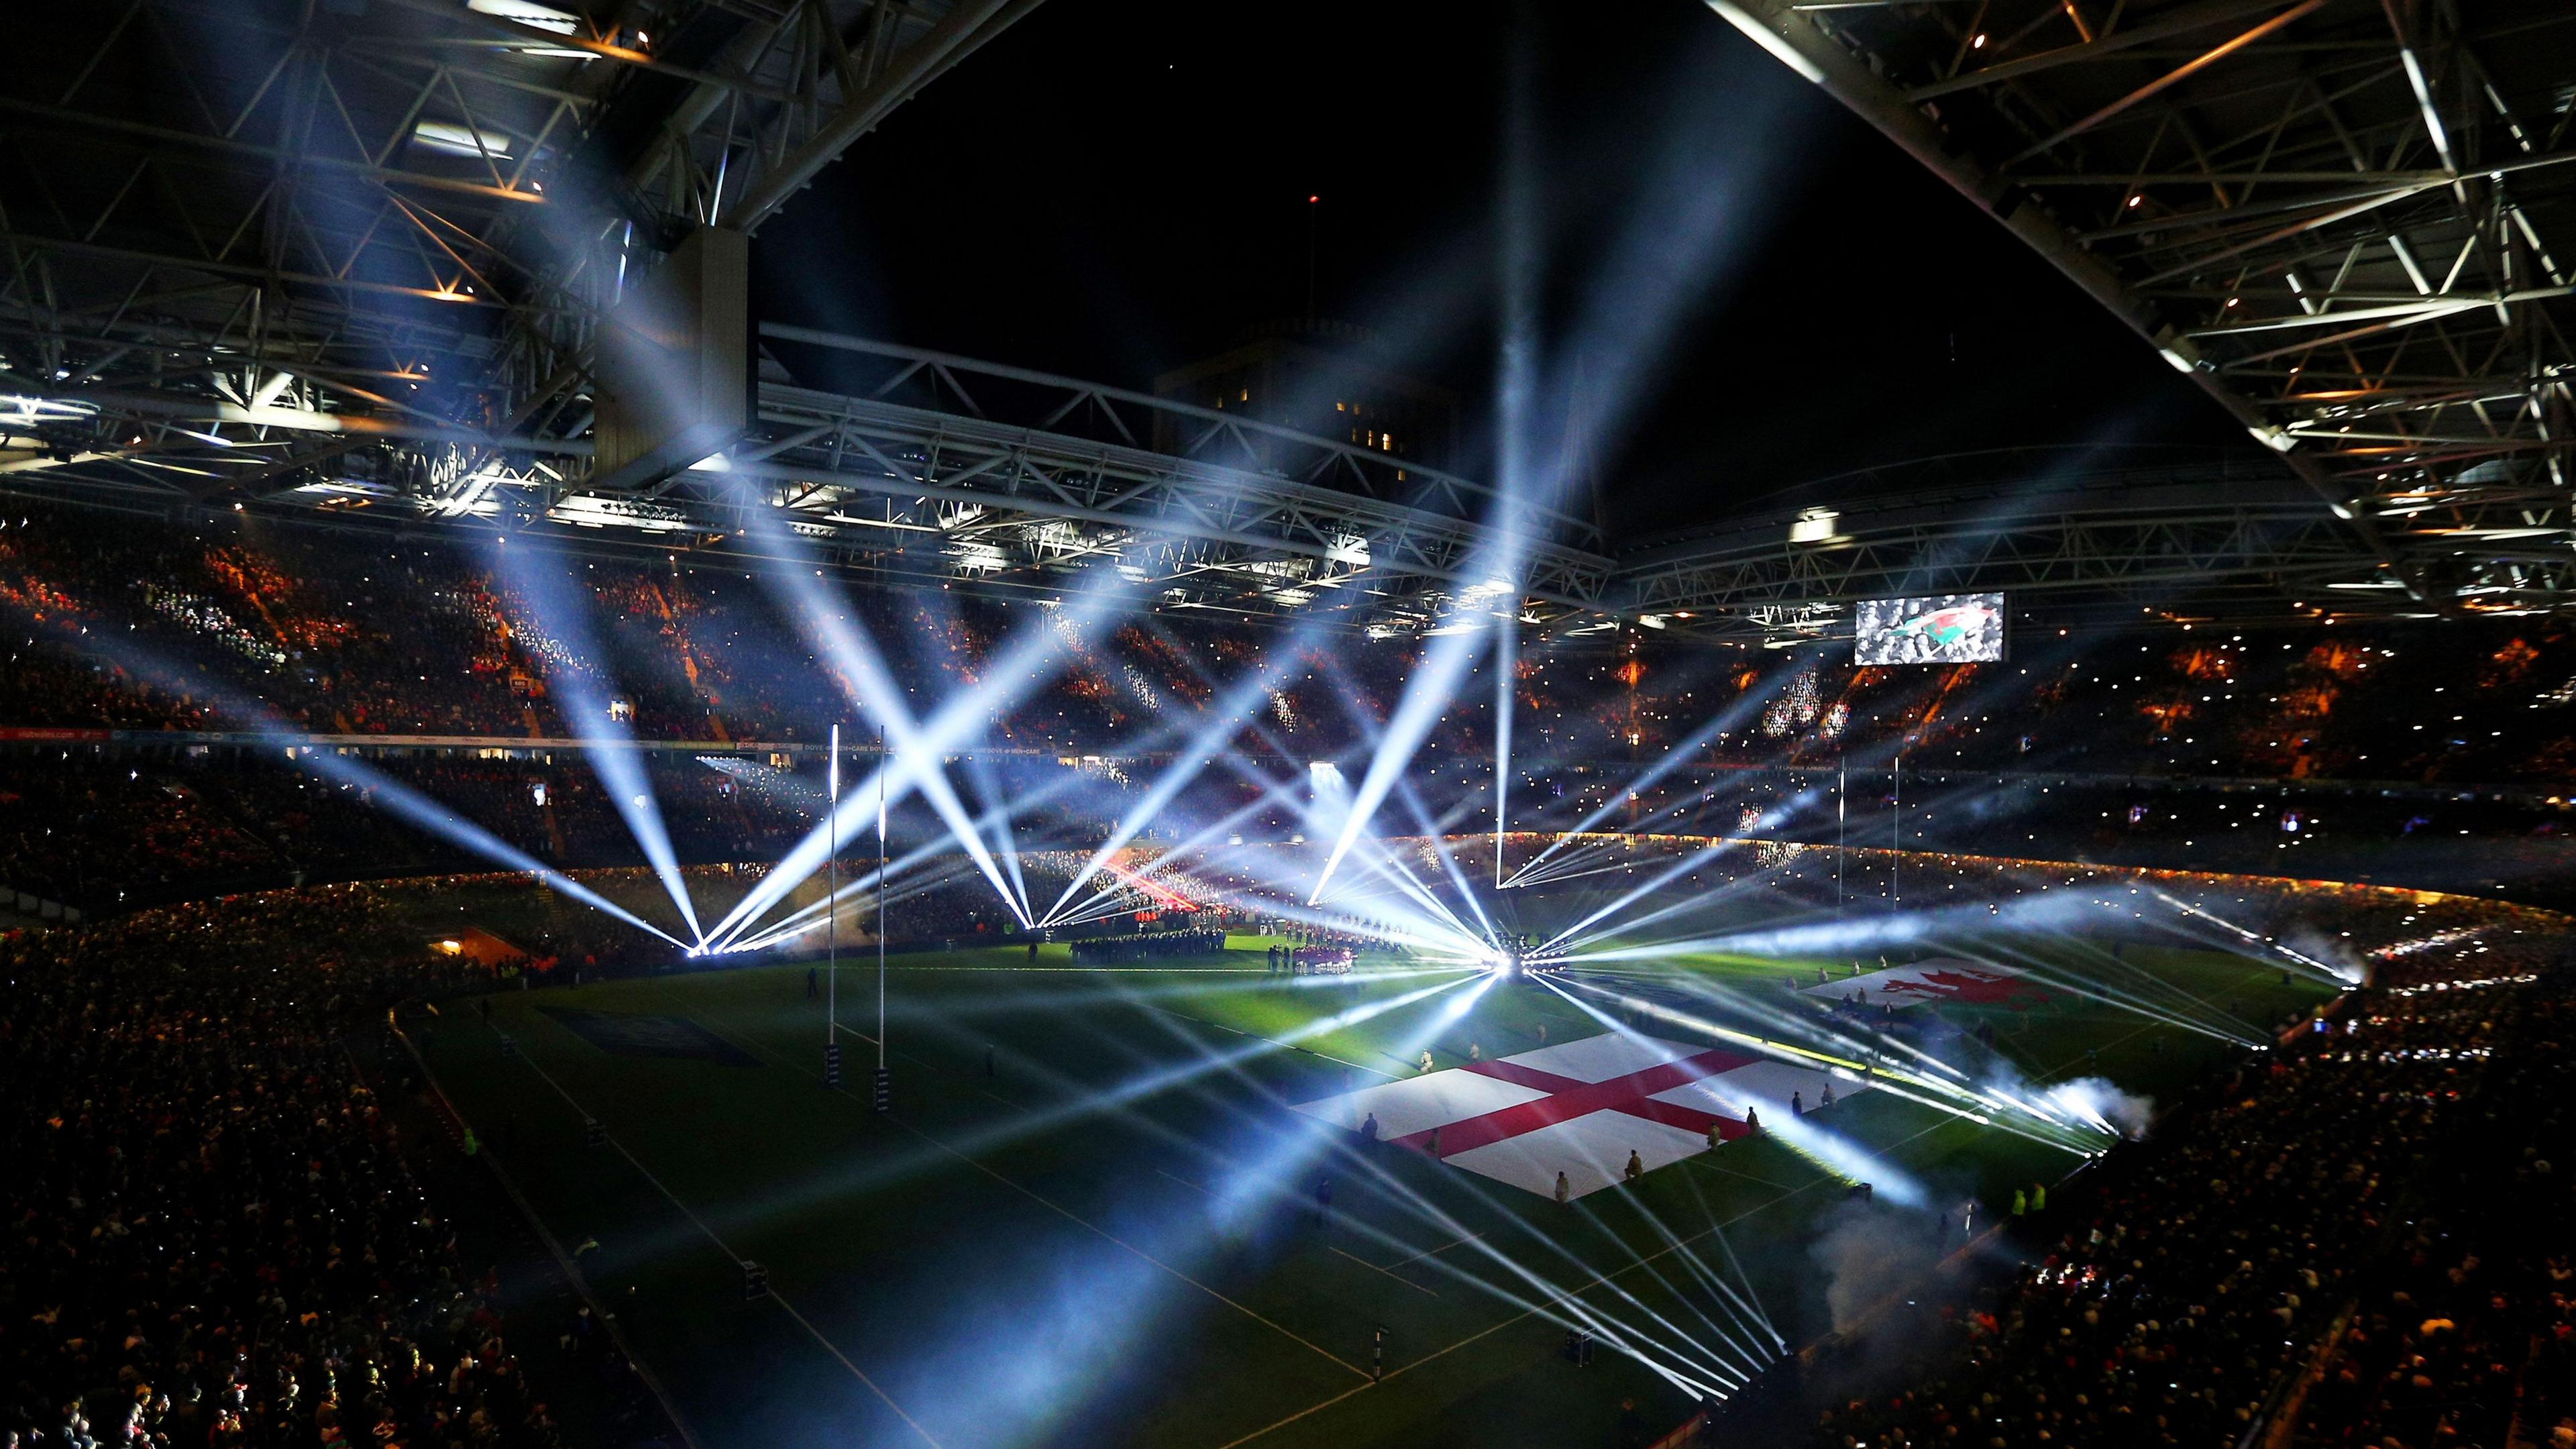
(1580, 1108)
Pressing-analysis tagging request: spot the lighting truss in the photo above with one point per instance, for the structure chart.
(342, 260)
(950, 485)
(2230, 537)
(2350, 222)
(233, 226)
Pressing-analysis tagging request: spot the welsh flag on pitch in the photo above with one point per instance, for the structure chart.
(1939, 979)
(1580, 1108)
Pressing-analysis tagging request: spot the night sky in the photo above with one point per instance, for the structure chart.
(1744, 287)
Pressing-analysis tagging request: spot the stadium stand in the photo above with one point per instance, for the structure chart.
(2276, 1258)
(279, 615)
(2307, 1210)
(217, 1230)
(2266, 754)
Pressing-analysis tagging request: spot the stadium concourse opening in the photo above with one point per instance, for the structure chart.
(624, 822)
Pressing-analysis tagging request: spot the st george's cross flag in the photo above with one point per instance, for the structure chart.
(1580, 1108)
(1940, 979)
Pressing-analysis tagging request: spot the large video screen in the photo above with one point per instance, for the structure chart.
(1942, 629)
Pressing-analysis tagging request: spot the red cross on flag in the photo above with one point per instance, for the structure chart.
(1581, 1108)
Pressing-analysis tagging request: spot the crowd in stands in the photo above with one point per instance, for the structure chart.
(337, 633)
(215, 1233)
(45, 690)
(2071, 750)
(1152, 946)
(97, 830)
(94, 836)
(2519, 843)
(216, 1236)
(230, 624)
(2331, 1192)
(2469, 1326)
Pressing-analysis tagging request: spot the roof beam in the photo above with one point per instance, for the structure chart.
(2181, 22)
(966, 26)
(1793, 36)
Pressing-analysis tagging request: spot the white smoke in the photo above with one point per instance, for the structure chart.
(2097, 1103)
(1870, 1252)
(2094, 1102)
(2333, 953)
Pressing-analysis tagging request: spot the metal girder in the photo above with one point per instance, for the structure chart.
(2349, 221)
(415, 209)
(2177, 540)
(1007, 481)
(348, 259)
(1057, 497)
(891, 487)
(1124, 417)
(828, 75)
(939, 473)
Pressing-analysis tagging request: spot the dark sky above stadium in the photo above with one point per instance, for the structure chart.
(1119, 186)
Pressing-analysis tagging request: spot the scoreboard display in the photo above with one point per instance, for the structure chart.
(1940, 629)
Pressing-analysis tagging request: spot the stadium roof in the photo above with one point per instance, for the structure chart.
(348, 261)
(2349, 221)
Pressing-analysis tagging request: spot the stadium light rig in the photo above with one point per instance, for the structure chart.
(1511, 955)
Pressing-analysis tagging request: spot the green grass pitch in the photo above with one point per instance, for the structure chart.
(1084, 1246)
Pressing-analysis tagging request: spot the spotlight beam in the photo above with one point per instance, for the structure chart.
(1021, 668)
(1681, 866)
(992, 817)
(1007, 681)
(1437, 836)
(1703, 901)
(620, 768)
(1428, 693)
(1746, 1352)
(1725, 721)
(1385, 865)
(1555, 1303)
(812, 917)
(1938, 1095)
(1507, 652)
(1215, 734)
(379, 788)
(1745, 1303)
